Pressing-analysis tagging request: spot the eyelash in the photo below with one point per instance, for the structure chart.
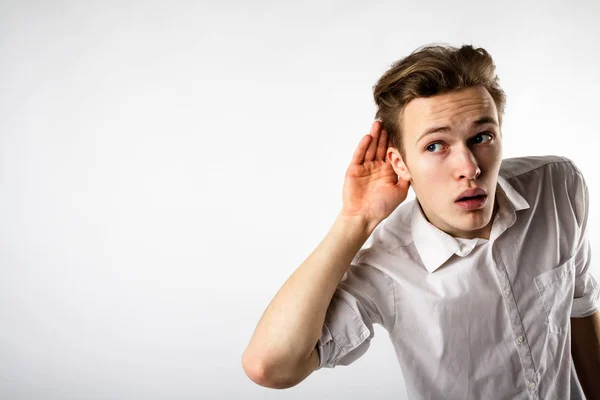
(481, 133)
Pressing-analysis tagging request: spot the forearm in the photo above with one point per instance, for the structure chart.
(291, 325)
(585, 350)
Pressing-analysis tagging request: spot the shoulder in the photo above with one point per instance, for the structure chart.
(552, 180)
(518, 166)
(551, 172)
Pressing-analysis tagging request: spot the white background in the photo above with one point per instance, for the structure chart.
(165, 166)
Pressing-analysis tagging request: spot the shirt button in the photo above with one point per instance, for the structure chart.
(531, 385)
(506, 292)
(520, 340)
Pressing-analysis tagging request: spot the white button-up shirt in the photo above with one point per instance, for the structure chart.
(476, 318)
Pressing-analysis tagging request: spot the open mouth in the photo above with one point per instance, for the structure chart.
(479, 197)
(472, 202)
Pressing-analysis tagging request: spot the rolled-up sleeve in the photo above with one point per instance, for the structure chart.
(363, 297)
(586, 297)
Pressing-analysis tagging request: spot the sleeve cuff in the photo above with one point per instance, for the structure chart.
(588, 304)
(344, 336)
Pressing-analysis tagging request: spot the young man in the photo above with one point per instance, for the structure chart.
(482, 281)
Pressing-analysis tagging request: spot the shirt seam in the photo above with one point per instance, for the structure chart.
(390, 280)
(388, 251)
(367, 296)
(339, 352)
(359, 318)
(328, 361)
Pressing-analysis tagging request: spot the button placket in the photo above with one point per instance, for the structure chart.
(520, 339)
(516, 324)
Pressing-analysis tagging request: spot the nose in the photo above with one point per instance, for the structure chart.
(466, 166)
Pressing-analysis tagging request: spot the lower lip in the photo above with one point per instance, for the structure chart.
(472, 204)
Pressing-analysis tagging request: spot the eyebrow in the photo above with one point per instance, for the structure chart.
(478, 122)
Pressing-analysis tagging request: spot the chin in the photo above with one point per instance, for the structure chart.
(473, 225)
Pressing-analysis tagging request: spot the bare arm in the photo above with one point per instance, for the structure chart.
(282, 352)
(585, 350)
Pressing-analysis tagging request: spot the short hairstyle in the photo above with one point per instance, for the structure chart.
(430, 70)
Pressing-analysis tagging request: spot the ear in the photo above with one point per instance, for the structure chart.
(394, 157)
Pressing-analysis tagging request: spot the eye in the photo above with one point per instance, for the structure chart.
(482, 137)
(432, 147)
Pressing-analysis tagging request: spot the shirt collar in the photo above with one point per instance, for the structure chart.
(436, 246)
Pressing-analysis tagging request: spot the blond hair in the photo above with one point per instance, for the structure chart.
(430, 70)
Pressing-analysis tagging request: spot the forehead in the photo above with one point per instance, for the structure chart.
(456, 109)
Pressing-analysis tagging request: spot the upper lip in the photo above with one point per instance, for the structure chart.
(471, 193)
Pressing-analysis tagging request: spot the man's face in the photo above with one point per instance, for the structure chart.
(443, 164)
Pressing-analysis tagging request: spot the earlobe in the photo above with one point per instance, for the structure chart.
(397, 163)
(403, 172)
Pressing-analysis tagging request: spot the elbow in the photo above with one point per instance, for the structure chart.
(254, 370)
(260, 372)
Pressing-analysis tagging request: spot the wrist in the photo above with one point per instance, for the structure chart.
(356, 224)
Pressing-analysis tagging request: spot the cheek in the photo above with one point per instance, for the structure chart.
(489, 161)
(431, 183)
(432, 173)
(491, 153)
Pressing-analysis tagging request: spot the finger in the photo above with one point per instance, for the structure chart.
(375, 130)
(359, 153)
(382, 146)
